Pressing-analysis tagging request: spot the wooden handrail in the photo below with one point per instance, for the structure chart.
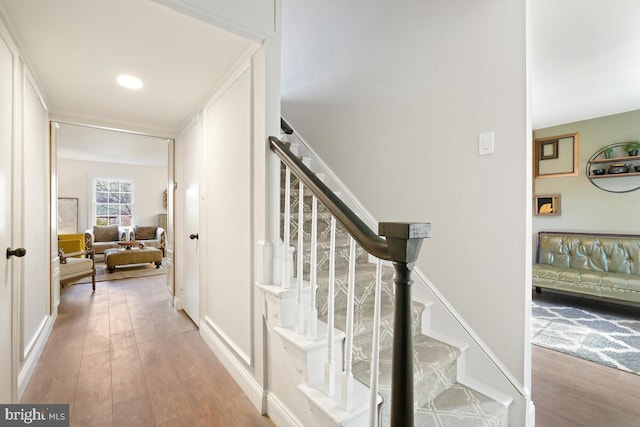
(369, 240)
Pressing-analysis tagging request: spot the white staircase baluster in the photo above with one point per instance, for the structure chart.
(375, 350)
(300, 261)
(312, 314)
(286, 267)
(329, 367)
(347, 375)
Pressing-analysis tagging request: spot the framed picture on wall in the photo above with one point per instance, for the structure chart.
(67, 215)
(547, 204)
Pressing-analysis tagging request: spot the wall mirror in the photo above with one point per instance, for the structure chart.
(556, 156)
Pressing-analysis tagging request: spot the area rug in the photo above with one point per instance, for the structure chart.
(124, 272)
(599, 336)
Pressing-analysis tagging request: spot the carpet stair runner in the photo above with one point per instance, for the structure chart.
(439, 399)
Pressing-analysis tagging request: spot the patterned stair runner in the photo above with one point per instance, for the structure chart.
(439, 399)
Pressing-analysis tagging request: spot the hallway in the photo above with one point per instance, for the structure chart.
(123, 356)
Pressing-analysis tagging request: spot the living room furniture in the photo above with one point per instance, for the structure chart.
(149, 235)
(71, 242)
(73, 269)
(116, 257)
(102, 237)
(603, 265)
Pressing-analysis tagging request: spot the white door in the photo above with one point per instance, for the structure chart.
(6, 180)
(190, 194)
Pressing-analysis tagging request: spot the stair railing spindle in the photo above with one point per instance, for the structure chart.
(312, 314)
(347, 375)
(300, 261)
(329, 367)
(375, 349)
(286, 267)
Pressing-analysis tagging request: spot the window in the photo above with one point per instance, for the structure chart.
(113, 202)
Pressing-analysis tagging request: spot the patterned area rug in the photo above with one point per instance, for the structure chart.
(589, 333)
(124, 272)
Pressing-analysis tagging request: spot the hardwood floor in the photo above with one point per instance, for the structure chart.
(570, 392)
(123, 356)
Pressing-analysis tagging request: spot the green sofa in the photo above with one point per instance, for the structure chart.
(603, 265)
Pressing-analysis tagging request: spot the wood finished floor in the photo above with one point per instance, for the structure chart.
(572, 392)
(123, 357)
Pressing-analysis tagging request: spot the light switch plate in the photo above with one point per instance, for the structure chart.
(486, 143)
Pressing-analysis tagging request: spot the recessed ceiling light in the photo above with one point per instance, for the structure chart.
(130, 82)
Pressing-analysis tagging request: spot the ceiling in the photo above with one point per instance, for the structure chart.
(86, 143)
(585, 59)
(77, 48)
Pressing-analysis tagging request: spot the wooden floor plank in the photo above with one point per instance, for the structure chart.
(136, 412)
(127, 379)
(92, 405)
(167, 394)
(573, 392)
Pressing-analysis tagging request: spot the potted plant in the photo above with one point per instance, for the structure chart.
(632, 147)
(608, 153)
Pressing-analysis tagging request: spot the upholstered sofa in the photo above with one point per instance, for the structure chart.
(151, 235)
(102, 237)
(603, 265)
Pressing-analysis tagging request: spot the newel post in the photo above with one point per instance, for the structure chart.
(404, 240)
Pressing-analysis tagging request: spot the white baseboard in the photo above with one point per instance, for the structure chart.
(279, 413)
(238, 370)
(31, 361)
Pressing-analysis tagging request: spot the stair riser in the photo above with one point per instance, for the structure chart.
(323, 226)
(363, 293)
(322, 260)
(362, 327)
(307, 200)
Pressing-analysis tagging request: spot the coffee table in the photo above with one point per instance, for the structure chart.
(115, 257)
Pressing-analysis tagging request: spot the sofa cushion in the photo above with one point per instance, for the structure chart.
(75, 266)
(105, 233)
(145, 232)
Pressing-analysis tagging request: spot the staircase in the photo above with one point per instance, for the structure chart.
(439, 398)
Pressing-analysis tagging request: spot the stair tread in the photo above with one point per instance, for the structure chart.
(460, 406)
(434, 369)
(430, 356)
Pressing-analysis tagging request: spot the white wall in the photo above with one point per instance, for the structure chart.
(228, 220)
(75, 179)
(585, 207)
(393, 96)
(35, 288)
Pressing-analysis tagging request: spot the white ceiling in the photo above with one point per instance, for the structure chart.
(77, 48)
(109, 146)
(585, 59)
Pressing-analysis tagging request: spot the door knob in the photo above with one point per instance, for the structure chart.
(193, 236)
(19, 252)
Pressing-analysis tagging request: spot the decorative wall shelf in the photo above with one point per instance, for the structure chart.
(599, 161)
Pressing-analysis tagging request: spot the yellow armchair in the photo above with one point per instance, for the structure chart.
(71, 242)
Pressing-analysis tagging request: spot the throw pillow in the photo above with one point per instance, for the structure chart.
(105, 233)
(145, 232)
